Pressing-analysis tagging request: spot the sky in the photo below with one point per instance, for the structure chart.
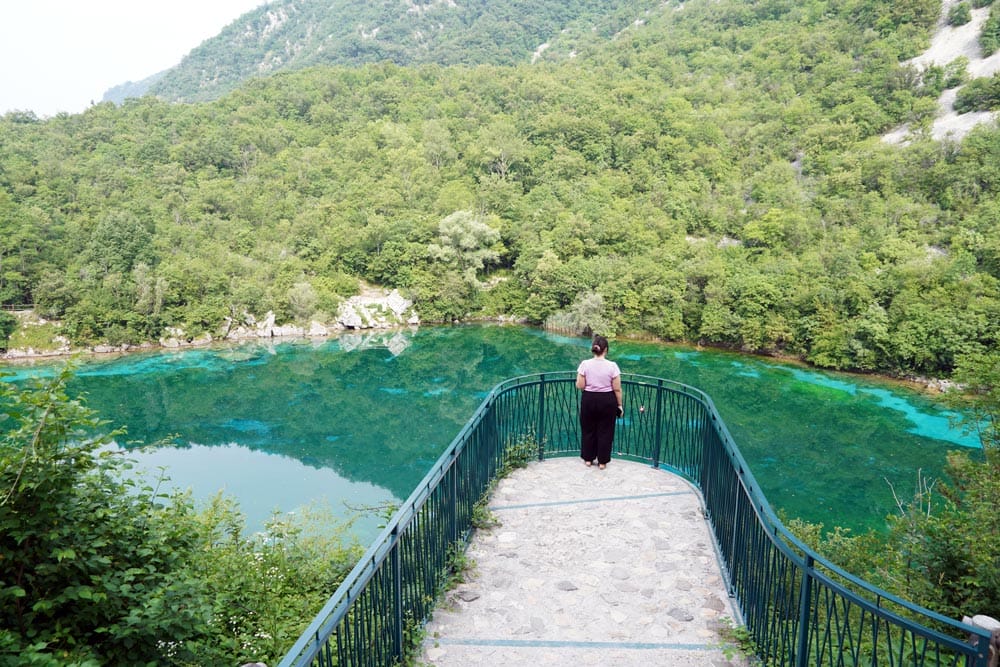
(62, 55)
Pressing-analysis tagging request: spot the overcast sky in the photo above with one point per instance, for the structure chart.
(61, 55)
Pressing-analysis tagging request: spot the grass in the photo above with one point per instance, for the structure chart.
(737, 643)
(39, 335)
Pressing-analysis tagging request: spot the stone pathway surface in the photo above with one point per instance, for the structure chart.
(587, 567)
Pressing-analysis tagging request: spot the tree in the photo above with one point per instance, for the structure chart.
(978, 396)
(585, 316)
(466, 241)
(8, 325)
(502, 148)
(118, 242)
(302, 300)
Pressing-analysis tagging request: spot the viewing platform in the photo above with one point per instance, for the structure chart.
(621, 566)
(588, 567)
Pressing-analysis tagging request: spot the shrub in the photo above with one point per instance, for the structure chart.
(956, 72)
(980, 94)
(959, 14)
(97, 568)
(91, 567)
(989, 38)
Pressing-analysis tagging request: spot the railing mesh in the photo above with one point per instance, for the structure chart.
(798, 609)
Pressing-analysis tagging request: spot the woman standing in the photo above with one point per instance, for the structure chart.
(600, 405)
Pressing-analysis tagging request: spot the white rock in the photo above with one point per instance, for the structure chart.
(317, 329)
(349, 316)
(397, 303)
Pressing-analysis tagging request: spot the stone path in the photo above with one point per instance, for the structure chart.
(588, 567)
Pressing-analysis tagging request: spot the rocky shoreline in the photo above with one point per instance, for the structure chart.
(371, 310)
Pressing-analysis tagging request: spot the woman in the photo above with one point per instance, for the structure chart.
(601, 403)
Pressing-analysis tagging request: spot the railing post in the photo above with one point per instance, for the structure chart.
(453, 510)
(397, 596)
(805, 602)
(540, 426)
(983, 648)
(659, 421)
(736, 522)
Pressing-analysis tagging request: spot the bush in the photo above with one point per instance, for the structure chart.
(91, 567)
(989, 38)
(956, 72)
(99, 569)
(980, 94)
(959, 14)
(8, 325)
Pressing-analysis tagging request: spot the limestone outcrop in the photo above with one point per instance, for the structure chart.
(372, 309)
(376, 311)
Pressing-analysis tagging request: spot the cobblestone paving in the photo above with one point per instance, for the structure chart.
(588, 567)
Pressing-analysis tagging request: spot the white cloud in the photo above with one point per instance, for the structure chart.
(61, 55)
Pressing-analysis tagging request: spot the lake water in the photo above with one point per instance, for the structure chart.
(357, 420)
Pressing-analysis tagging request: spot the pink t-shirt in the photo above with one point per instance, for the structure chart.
(599, 373)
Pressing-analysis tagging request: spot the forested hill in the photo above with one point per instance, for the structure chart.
(292, 34)
(714, 174)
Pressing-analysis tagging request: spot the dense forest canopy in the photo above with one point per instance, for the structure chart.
(292, 34)
(713, 173)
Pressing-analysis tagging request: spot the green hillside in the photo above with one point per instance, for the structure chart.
(713, 173)
(292, 34)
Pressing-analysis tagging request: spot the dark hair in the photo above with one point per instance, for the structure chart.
(600, 345)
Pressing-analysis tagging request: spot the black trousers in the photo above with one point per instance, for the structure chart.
(598, 410)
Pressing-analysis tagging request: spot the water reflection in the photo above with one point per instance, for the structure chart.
(250, 475)
(374, 411)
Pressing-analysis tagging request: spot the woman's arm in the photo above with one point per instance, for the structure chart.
(616, 385)
(581, 381)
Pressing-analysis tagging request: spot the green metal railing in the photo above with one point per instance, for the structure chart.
(799, 608)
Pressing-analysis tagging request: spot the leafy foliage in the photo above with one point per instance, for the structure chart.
(98, 569)
(8, 325)
(980, 94)
(989, 36)
(959, 14)
(940, 550)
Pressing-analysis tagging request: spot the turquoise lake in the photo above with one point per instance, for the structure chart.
(357, 420)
